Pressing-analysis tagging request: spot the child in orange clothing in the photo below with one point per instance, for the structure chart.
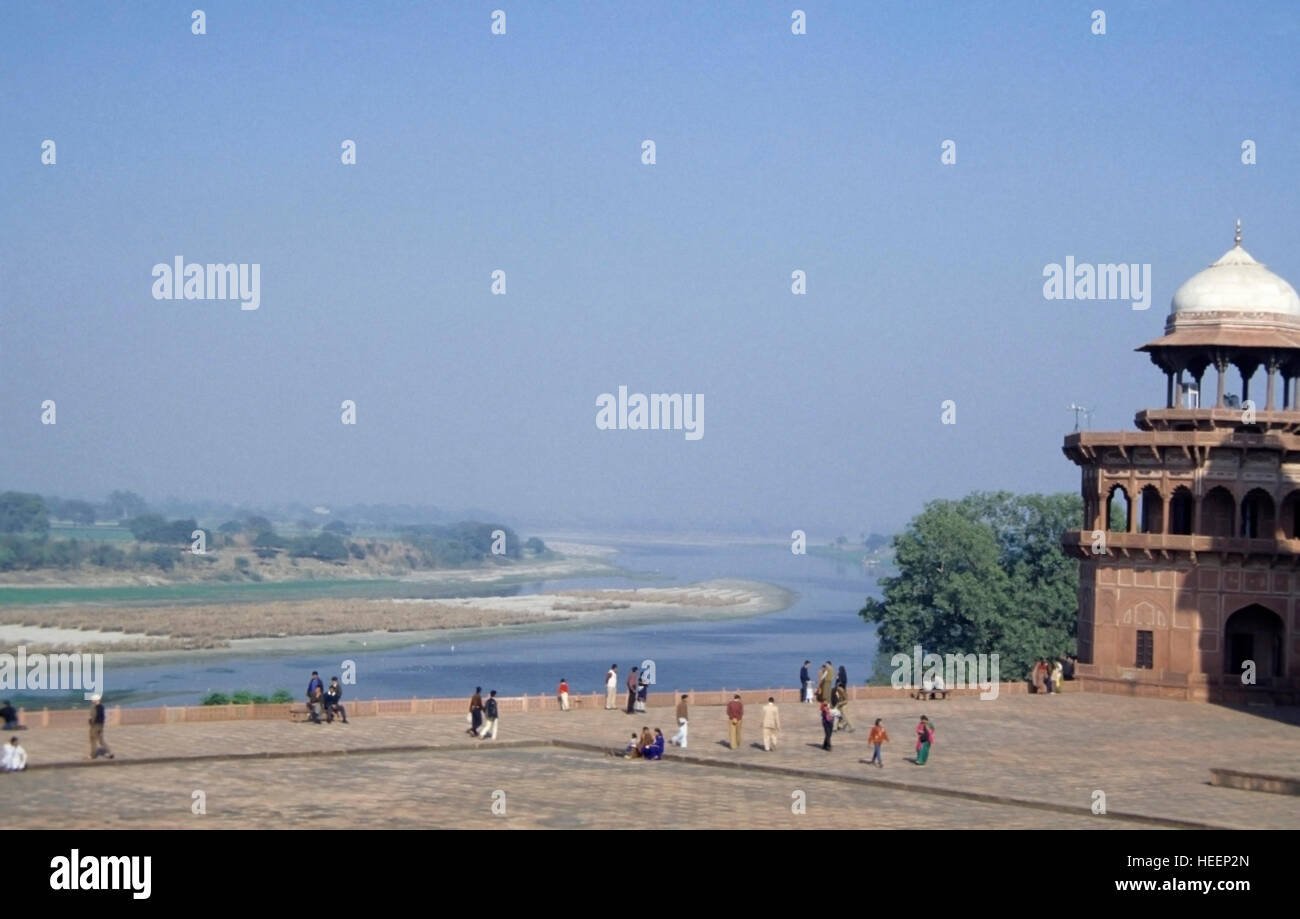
(876, 738)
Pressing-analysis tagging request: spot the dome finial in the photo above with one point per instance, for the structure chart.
(1237, 239)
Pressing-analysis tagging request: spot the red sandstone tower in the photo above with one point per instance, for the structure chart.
(1190, 545)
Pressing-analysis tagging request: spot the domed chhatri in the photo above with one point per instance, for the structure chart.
(1236, 314)
(1236, 284)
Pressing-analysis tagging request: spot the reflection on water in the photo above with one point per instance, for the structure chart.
(756, 652)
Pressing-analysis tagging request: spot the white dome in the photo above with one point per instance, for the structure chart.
(1236, 283)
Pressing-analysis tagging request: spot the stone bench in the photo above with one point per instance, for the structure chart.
(930, 694)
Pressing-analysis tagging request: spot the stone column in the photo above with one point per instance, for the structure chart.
(1221, 366)
(1271, 369)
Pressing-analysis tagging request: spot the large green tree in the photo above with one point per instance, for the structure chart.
(982, 575)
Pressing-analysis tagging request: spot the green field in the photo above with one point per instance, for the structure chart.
(265, 591)
(90, 533)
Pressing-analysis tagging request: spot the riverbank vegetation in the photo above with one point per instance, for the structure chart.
(38, 534)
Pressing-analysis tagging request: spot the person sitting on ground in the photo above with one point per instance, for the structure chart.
(656, 748)
(645, 740)
(632, 751)
(333, 702)
(10, 716)
(15, 758)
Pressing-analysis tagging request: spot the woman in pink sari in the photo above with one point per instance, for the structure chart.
(924, 737)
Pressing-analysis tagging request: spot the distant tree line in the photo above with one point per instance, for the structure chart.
(25, 541)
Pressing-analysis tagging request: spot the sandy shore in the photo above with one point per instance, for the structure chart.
(331, 624)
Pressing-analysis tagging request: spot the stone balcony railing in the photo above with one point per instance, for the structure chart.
(1218, 419)
(1079, 544)
(279, 711)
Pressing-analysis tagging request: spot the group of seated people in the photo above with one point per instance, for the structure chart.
(325, 700)
(646, 746)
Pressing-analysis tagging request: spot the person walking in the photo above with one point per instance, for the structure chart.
(475, 710)
(840, 705)
(824, 678)
(877, 737)
(642, 691)
(771, 725)
(924, 737)
(611, 687)
(1058, 674)
(492, 714)
(563, 693)
(1036, 676)
(631, 692)
(805, 683)
(682, 720)
(735, 714)
(97, 746)
(828, 724)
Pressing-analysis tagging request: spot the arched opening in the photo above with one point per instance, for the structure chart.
(1118, 511)
(1181, 508)
(1289, 518)
(1257, 515)
(1218, 511)
(1151, 510)
(1254, 633)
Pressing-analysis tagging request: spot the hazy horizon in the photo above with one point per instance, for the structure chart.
(522, 152)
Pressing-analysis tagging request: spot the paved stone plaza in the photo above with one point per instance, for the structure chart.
(1019, 761)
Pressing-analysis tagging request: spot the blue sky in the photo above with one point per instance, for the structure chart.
(521, 152)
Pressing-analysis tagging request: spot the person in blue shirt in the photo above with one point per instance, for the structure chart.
(805, 683)
(315, 696)
(656, 748)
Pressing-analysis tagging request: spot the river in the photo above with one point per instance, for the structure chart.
(753, 652)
